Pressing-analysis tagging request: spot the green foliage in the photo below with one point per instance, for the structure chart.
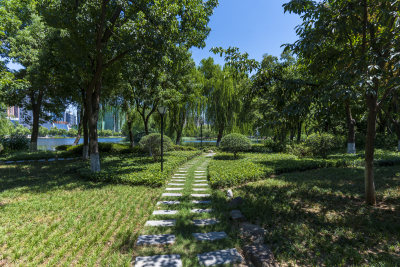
(322, 144)
(14, 142)
(110, 148)
(6, 126)
(105, 133)
(21, 130)
(235, 143)
(152, 144)
(139, 170)
(184, 148)
(63, 147)
(72, 132)
(43, 131)
(1, 148)
(54, 131)
(275, 146)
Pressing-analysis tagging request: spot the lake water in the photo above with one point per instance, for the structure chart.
(51, 143)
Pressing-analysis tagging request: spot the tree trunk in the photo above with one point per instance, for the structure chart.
(78, 137)
(36, 107)
(299, 132)
(370, 196)
(178, 136)
(131, 141)
(219, 137)
(292, 133)
(351, 136)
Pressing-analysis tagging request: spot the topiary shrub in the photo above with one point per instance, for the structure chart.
(152, 143)
(235, 143)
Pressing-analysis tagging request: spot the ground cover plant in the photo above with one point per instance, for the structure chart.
(50, 216)
(225, 170)
(318, 218)
(138, 169)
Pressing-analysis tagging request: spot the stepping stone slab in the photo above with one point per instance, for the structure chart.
(165, 212)
(200, 171)
(60, 158)
(201, 210)
(237, 215)
(179, 174)
(161, 223)
(226, 256)
(200, 195)
(175, 184)
(200, 184)
(53, 159)
(159, 261)
(201, 201)
(196, 181)
(171, 195)
(168, 202)
(20, 161)
(177, 180)
(155, 240)
(41, 160)
(200, 189)
(204, 222)
(209, 236)
(173, 188)
(260, 255)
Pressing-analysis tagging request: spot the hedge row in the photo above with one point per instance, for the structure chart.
(224, 171)
(138, 170)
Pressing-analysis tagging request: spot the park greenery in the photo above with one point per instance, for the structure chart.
(311, 138)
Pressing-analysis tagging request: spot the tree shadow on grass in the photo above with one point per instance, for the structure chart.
(312, 221)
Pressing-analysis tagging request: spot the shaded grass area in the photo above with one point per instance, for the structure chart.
(49, 216)
(186, 245)
(225, 171)
(26, 155)
(138, 170)
(318, 217)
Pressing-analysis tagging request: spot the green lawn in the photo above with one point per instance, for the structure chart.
(51, 216)
(317, 217)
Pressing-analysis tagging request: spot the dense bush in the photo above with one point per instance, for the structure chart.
(152, 144)
(43, 131)
(54, 131)
(105, 133)
(72, 132)
(184, 148)
(62, 147)
(322, 144)
(138, 170)
(235, 143)
(15, 142)
(275, 146)
(113, 148)
(20, 130)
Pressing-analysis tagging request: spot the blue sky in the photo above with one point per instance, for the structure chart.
(254, 26)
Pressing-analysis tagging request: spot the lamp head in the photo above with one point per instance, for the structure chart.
(162, 109)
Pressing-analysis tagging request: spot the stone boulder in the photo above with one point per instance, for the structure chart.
(236, 202)
(252, 233)
(237, 215)
(260, 255)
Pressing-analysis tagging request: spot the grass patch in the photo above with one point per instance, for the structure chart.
(225, 171)
(138, 170)
(49, 216)
(26, 155)
(318, 217)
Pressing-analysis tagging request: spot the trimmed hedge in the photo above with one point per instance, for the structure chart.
(138, 170)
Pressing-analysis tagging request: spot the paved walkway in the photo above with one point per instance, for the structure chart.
(186, 224)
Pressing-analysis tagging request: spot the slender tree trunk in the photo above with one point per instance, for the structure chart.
(78, 137)
(131, 140)
(36, 107)
(292, 133)
(370, 196)
(220, 133)
(351, 135)
(299, 132)
(397, 131)
(178, 137)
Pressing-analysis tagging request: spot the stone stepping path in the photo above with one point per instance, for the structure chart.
(209, 236)
(159, 261)
(156, 237)
(205, 222)
(165, 212)
(171, 194)
(226, 256)
(161, 223)
(155, 240)
(168, 202)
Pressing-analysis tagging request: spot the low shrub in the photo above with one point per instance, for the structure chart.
(152, 144)
(62, 147)
(138, 170)
(15, 142)
(235, 143)
(275, 146)
(322, 144)
(184, 148)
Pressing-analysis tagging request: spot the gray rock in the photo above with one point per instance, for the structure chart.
(226, 256)
(229, 193)
(204, 222)
(159, 261)
(161, 223)
(209, 236)
(236, 202)
(237, 215)
(155, 240)
(260, 255)
(252, 233)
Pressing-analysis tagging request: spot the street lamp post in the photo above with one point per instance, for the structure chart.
(162, 110)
